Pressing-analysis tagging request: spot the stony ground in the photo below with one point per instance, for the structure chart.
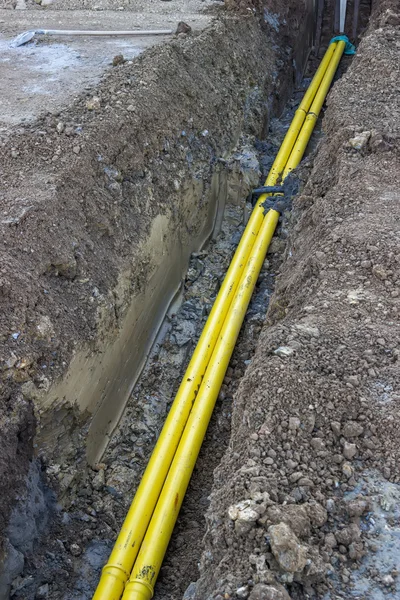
(305, 500)
(80, 189)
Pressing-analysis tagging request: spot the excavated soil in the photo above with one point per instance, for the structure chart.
(304, 442)
(304, 502)
(85, 191)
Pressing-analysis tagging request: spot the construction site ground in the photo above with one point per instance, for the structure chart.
(120, 179)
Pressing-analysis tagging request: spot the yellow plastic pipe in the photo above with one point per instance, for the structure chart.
(298, 119)
(119, 566)
(117, 570)
(304, 136)
(154, 545)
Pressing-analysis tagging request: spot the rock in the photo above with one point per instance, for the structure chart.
(75, 550)
(76, 149)
(190, 592)
(380, 272)
(118, 60)
(289, 553)
(43, 591)
(269, 592)
(277, 246)
(183, 28)
(317, 514)
(93, 103)
(245, 510)
(360, 141)
(11, 361)
(60, 127)
(387, 580)
(354, 380)
(330, 540)
(317, 443)
(284, 351)
(330, 505)
(348, 535)
(30, 391)
(294, 423)
(295, 516)
(357, 507)
(336, 427)
(349, 450)
(308, 330)
(390, 18)
(356, 550)
(347, 470)
(352, 429)
(245, 515)
(295, 476)
(20, 5)
(46, 3)
(305, 482)
(121, 480)
(242, 592)
(99, 480)
(45, 328)
(315, 569)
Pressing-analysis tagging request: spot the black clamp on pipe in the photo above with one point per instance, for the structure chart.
(272, 189)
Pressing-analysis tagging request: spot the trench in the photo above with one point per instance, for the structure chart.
(86, 525)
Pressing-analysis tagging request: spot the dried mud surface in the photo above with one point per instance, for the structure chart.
(304, 501)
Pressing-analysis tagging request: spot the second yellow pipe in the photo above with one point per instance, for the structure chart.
(154, 545)
(304, 136)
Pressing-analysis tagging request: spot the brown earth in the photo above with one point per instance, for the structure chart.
(315, 417)
(80, 191)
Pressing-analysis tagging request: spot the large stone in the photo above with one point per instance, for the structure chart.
(295, 516)
(289, 553)
(269, 592)
(352, 429)
(245, 515)
(317, 513)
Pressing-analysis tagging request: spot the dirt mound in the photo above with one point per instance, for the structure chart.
(315, 443)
